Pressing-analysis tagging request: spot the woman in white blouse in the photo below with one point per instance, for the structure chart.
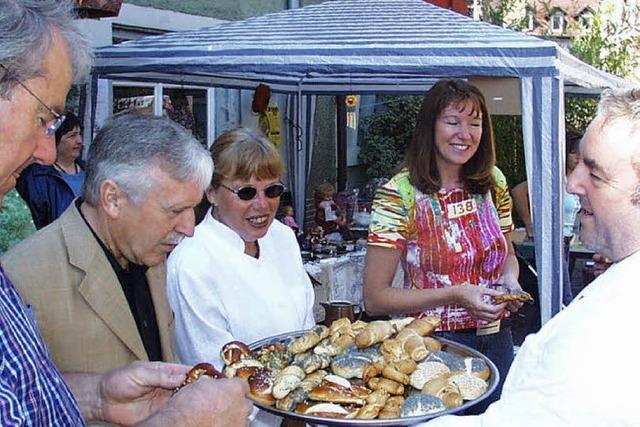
(240, 277)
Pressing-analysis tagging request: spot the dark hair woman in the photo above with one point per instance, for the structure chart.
(447, 218)
(49, 190)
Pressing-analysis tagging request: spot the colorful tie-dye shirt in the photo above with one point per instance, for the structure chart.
(447, 238)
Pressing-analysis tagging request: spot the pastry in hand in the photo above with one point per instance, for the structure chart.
(515, 295)
(198, 371)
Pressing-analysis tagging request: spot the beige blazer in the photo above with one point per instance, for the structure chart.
(82, 312)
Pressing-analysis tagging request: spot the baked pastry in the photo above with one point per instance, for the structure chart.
(287, 380)
(392, 387)
(233, 352)
(470, 386)
(301, 393)
(413, 344)
(349, 365)
(230, 370)
(393, 350)
(421, 404)
(478, 367)
(432, 344)
(309, 340)
(375, 332)
(391, 372)
(447, 391)
(374, 404)
(336, 389)
(425, 325)
(261, 387)
(392, 408)
(199, 370)
(274, 357)
(326, 347)
(327, 410)
(454, 362)
(315, 362)
(427, 371)
(515, 295)
(400, 324)
(371, 370)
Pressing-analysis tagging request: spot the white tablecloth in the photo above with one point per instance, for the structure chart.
(342, 280)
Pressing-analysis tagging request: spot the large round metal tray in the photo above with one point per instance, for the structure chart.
(448, 345)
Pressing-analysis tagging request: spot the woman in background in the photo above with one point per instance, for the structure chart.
(49, 190)
(240, 277)
(447, 218)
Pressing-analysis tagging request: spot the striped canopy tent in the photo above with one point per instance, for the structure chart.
(379, 46)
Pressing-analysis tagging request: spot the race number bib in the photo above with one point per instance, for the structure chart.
(459, 209)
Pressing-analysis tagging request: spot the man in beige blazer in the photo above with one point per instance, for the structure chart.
(144, 176)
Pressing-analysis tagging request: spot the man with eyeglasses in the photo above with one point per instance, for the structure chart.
(39, 58)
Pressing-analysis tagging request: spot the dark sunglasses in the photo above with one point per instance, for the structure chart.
(249, 193)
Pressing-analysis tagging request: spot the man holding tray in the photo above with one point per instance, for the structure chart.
(580, 369)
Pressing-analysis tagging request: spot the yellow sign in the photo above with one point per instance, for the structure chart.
(269, 123)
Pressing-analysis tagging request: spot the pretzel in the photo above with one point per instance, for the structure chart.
(514, 296)
(199, 370)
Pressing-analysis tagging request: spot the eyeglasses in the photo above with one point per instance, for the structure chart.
(249, 193)
(59, 118)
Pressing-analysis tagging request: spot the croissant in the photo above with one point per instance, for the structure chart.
(308, 340)
(424, 326)
(287, 380)
(425, 372)
(392, 408)
(391, 372)
(471, 387)
(392, 350)
(371, 370)
(432, 344)
(445, 390)
(375, 332)
(374, 404)
(406, 366)
(390, 386)
(414, 346)
(340, 326)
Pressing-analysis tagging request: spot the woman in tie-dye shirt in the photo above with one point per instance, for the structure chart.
(447, 218)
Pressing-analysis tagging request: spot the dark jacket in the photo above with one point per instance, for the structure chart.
(47, 194)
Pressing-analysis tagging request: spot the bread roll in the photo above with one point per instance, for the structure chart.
(478, 367)
(421, 404)
(327, 410)
(415, 348)
(375, 332)
(230, 370)
(393, 351)
(427, 371)
(470, 386)
(349, 365)
(443, 389)
(371, 370)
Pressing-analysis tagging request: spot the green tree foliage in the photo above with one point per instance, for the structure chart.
(507, 131)
(579, 112)
(15, 221)
(611, 45)
(387, 133)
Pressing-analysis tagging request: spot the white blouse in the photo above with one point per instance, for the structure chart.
(220, 294)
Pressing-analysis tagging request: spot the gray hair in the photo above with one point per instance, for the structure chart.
(27, 29)
(623, 104)
(130, 146)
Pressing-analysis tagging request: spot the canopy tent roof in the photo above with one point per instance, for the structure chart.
(346, 46)
(380, 46)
